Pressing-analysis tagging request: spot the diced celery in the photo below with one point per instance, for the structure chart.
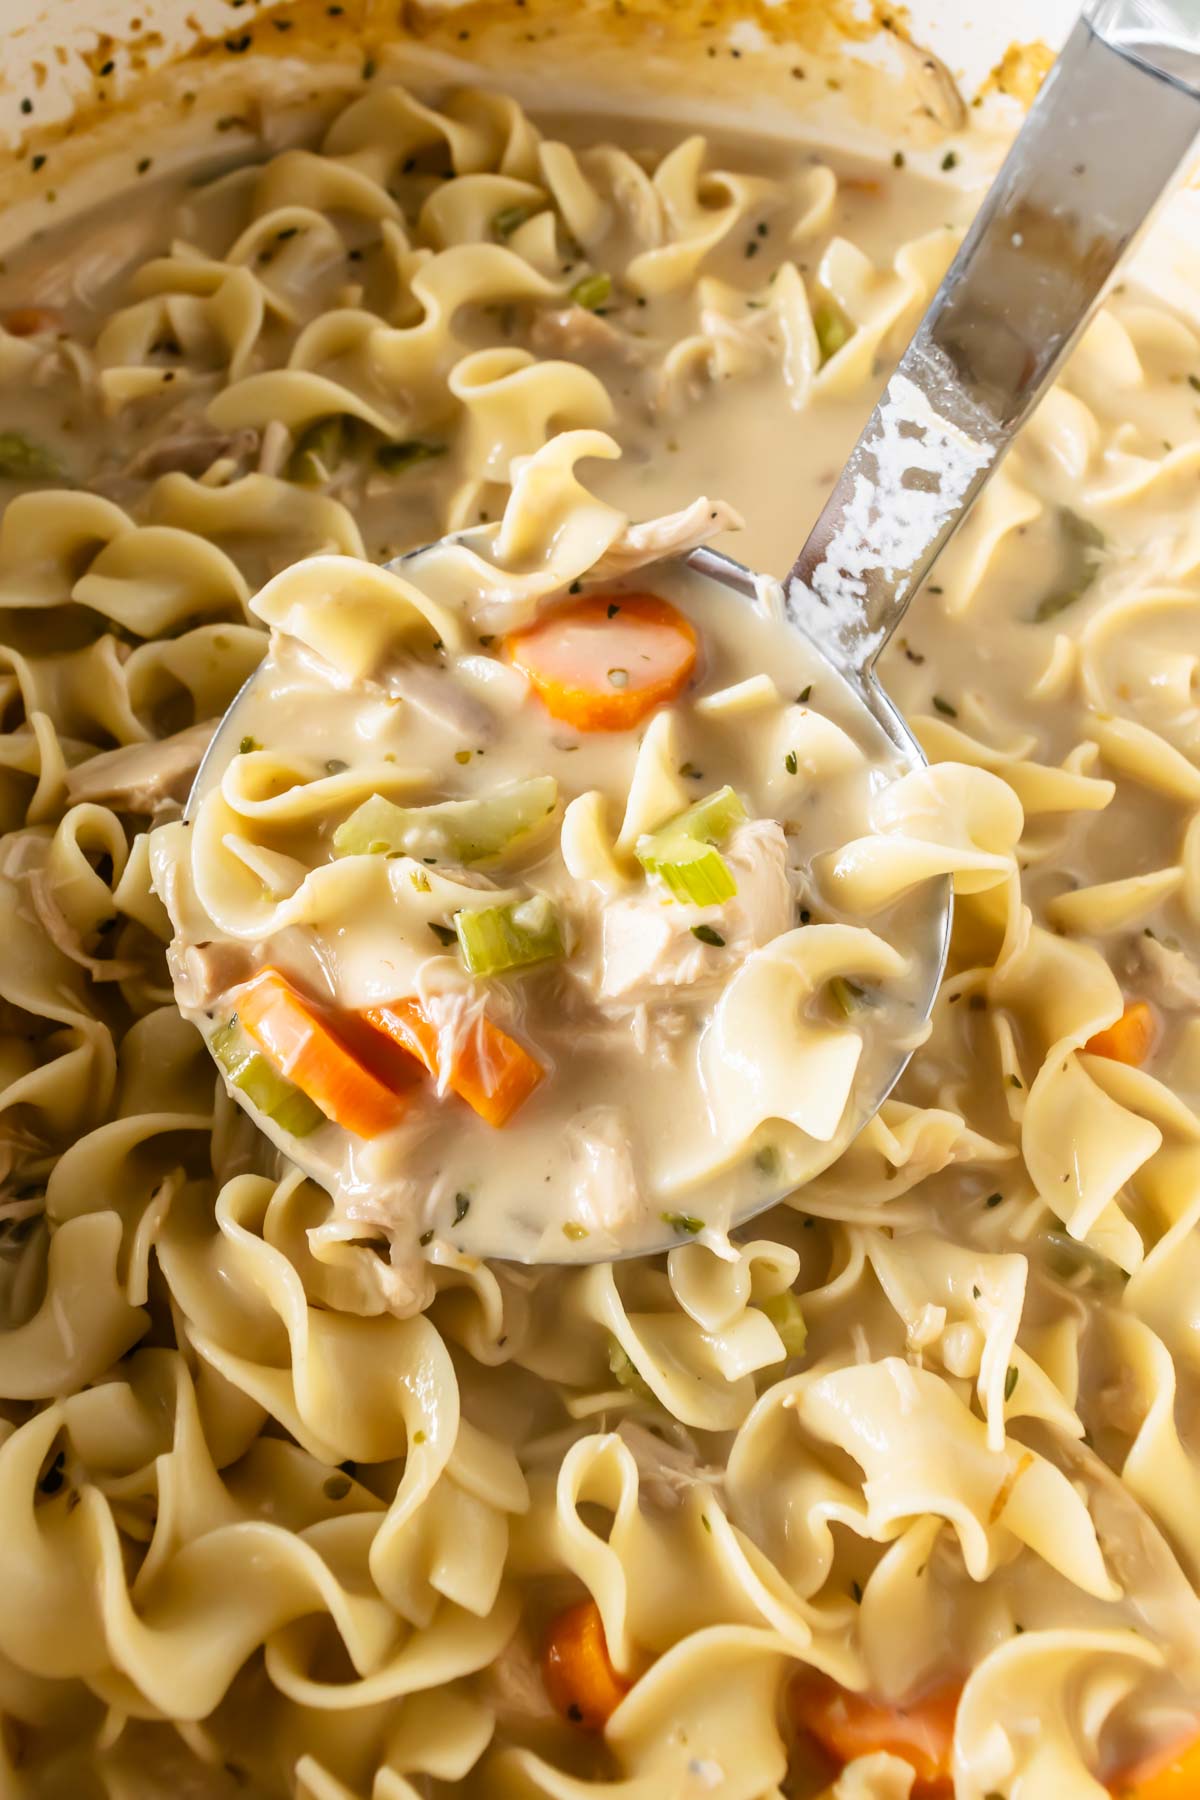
(847, 996)
(785, 1314)
(695, 873)
(495, 938)
(712, 818)
(393, 459)
(318, 451)
(462, 831)
(21, 459)
(1071, 1258)
(262, 1085)
(592, 291)
(625, 1372)
(682, 852)
(833, 330)
(510, 219)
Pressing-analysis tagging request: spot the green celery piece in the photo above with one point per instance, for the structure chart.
(462, 831)
(510, 219)
(786, 1315)
(1081, 533)
(847, 996)
(495, 938)
(1084, 543)
(262, 1085)
(394, 459)
(592, 291)
(1072, 1258)
(626, 1374)
(21, 459)
(833, 330)
(318, 451)
(682, 852)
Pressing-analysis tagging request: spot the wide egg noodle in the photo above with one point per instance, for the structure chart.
(282, 1514)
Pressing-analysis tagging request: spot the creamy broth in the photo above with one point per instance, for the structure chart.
(655, 1104)
(899, 1480)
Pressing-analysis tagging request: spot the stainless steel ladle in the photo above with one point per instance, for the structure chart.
(1114, 119)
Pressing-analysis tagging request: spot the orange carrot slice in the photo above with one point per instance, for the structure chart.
(491, 1072)
(1131, 1039)
(605, 661)
(579, 1677)
(1171, 1775)
(847, 1725)
(297, 1039)
(32, 321)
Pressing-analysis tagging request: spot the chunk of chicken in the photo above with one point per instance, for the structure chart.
(604, 1189)
(513, 1684)
(201, 973)
(82, 267)
(143, 778)
(1168, 975)
(191, 450)
(574, 332)
(668, 1467)
(672, 535)
(649, 946)
(67, 938)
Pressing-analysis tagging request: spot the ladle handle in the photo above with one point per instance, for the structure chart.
(1115, 116)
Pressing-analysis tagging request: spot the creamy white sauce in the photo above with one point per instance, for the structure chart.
(630, 1128)
(997, 1397)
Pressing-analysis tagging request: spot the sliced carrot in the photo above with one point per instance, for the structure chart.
(1131, 1039)
(605, 661)
(300, 1042)
(1171, 1775)
(847, 1725)
(491, 1071)
(578, 1675)
(31, 321)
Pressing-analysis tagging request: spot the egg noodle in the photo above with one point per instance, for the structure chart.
(894, 1492)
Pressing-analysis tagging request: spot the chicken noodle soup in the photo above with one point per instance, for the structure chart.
(606, 927)
(897, 1490)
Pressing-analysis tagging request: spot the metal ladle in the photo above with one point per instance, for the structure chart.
(1115, 117)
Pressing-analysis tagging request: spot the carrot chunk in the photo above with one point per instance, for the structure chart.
(1131, 1039)
(298, 1040)
(1171, 1775)
(492, 1072)
(32, 321)
(605, 661)
(847, 1725)
(579, 1678)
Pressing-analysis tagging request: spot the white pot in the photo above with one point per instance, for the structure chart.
(107, 72)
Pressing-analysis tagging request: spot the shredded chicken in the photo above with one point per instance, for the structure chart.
(668, 1467)
(513, 1684)
(1136, 1552)
(192, 450)
(275, 448)
(441, 699)
(87, 262)
(64, 936)
(143, 778)
(650, 948)
(573, 331)
(672, 535)
(1167, 975)
(604, 1189)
